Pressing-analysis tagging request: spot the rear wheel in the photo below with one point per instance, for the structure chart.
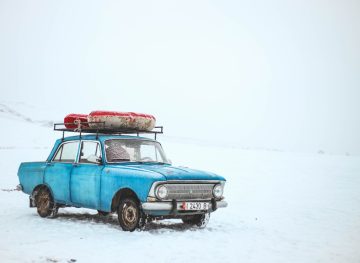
(129, 214)
(198, 220)
(45, 203)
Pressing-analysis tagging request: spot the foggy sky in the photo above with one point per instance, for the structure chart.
(267, 74)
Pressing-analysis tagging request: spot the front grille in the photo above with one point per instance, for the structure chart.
(189, 191)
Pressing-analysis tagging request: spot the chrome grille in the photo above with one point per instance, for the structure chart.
(189, 191)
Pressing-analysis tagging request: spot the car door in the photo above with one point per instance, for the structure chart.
(58, 171)
(85, 176)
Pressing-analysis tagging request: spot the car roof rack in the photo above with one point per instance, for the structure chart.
(83, 127)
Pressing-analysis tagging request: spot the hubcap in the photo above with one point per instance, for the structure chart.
(43, 202)
(129, 215)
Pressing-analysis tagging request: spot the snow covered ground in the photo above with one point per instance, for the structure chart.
(283, 207)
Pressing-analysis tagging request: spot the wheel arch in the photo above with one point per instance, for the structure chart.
(121, 194)
(37, 188)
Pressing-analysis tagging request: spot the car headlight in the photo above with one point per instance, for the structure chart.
(161, 192)
(218, 191)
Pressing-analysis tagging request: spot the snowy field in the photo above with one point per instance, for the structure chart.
(283, 207)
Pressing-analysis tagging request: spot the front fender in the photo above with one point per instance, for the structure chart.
(114, 179)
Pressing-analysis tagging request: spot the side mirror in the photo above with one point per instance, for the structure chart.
(169, 161)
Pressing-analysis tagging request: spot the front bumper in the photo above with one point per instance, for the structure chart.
(176, 208)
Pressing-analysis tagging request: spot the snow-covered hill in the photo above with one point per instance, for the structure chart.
(283, 207)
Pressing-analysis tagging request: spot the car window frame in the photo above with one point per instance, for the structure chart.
(60, 147)
(100, 149)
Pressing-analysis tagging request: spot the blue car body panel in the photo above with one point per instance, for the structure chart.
(57, 177)
(95, 185)
(116, 177)
(31, 174)
(181, 173)
(85, 185)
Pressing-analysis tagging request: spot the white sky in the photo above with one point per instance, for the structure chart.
(273, 74)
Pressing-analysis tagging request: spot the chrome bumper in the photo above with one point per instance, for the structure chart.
(170, 206)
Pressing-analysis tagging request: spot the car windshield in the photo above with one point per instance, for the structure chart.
(128, 150)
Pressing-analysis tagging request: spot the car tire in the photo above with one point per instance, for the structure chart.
(129, 214)
(45, 204)
(199, 220)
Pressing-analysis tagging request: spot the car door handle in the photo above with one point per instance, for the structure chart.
(49, 164)
(75, 164)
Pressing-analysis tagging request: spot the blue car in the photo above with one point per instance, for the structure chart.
(123, 174)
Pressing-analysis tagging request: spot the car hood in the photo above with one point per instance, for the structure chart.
(176, 173)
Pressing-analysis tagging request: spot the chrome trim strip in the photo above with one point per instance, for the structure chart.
(167, 206)
(221, 204)
(153, 206)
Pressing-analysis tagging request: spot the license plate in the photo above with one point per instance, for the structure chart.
(195, 206)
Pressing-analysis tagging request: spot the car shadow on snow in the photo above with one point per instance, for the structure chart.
(111, 220)
(166, 226)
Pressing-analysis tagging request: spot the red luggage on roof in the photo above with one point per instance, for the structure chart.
(123, 120)
(73, 120)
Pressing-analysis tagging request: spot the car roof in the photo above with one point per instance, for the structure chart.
(104, 137)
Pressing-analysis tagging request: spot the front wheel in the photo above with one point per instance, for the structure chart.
(45, 204)
(198, 220)
(128, 214)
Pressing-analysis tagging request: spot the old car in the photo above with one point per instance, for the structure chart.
(127, 174)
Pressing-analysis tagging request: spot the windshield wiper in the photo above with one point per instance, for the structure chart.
(161, 163)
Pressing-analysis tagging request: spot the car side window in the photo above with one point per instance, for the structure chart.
(67, 152)
(90, 152)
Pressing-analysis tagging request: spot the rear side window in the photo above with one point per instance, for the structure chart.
(67, 152)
